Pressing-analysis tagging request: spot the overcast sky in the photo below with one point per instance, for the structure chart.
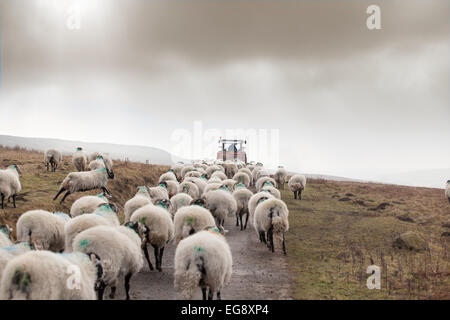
(345, 100)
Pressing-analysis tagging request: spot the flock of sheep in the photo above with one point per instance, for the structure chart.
(78, 255)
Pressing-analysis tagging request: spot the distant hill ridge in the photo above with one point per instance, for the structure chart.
(116, 151)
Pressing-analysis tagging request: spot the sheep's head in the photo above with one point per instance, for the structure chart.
(141, 230)
(110, 173)
(16, 167)
(163, 203)
(163, 184)
(199, 202)
(262, 199)
(108, 207)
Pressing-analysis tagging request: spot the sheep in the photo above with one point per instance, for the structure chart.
(119, 254)
(194, 174)
(5, 235)
(242, 195)
(255, 172)
(160, 231)
(179, 200)
(83, 181)
(263, 182)
(199, 182)
(168, 176)
(273, 191)
(191, 219)
(203, 260)
(211, 169)
(447, 190)
(190, 188)
(185, 170)
(10, 184)
(297, 184)
(7, 253)
(242, 177)
(172, 187)
(230, 169)
(247, 172)
(87, 204)
(140, 199)
(220, 203)
(105, 214)
(176, 169)
(229, 184)
(159, 192)
(79, 159)
(42, 229)
(219, 174)
(105, 156)
(214, 180)
(255, 200)
(44, 275)
(261, 174)
(280, 177)
(211, 187)
(271, 218)
(52, 158)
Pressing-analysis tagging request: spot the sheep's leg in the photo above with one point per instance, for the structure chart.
(3, 201)
(112, 294)
(204, 293)
(127, 285)
(157, 263)
(218, 295)
(246, 221)
(47, 167)
(106, 191)
(284, 246)
(100, 290)
(210, 294)
(14, 201)
(59, 192)
(161, 251)
(147, 257)
(65, 196)
(270, 236)
(240, 218)
(295, 194)
(299, 194)
(237, 220)
(262, 237)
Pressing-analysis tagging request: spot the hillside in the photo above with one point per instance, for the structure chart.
(39, 186)
(117, 151)
(336, 231)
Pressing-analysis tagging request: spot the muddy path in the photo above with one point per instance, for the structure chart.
(257, 273)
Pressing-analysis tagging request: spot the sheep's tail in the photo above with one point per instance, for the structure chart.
(279, 228)
(20, 284)
(188, 279)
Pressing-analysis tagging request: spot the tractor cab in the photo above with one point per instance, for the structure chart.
(232, 149)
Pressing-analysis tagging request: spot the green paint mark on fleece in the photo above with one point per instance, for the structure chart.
(83, 243)
(199, 249)
(143, 220)
(268, 183)
(190, 220)
(101, 170)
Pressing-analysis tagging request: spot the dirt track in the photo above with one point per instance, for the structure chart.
(257, 273)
